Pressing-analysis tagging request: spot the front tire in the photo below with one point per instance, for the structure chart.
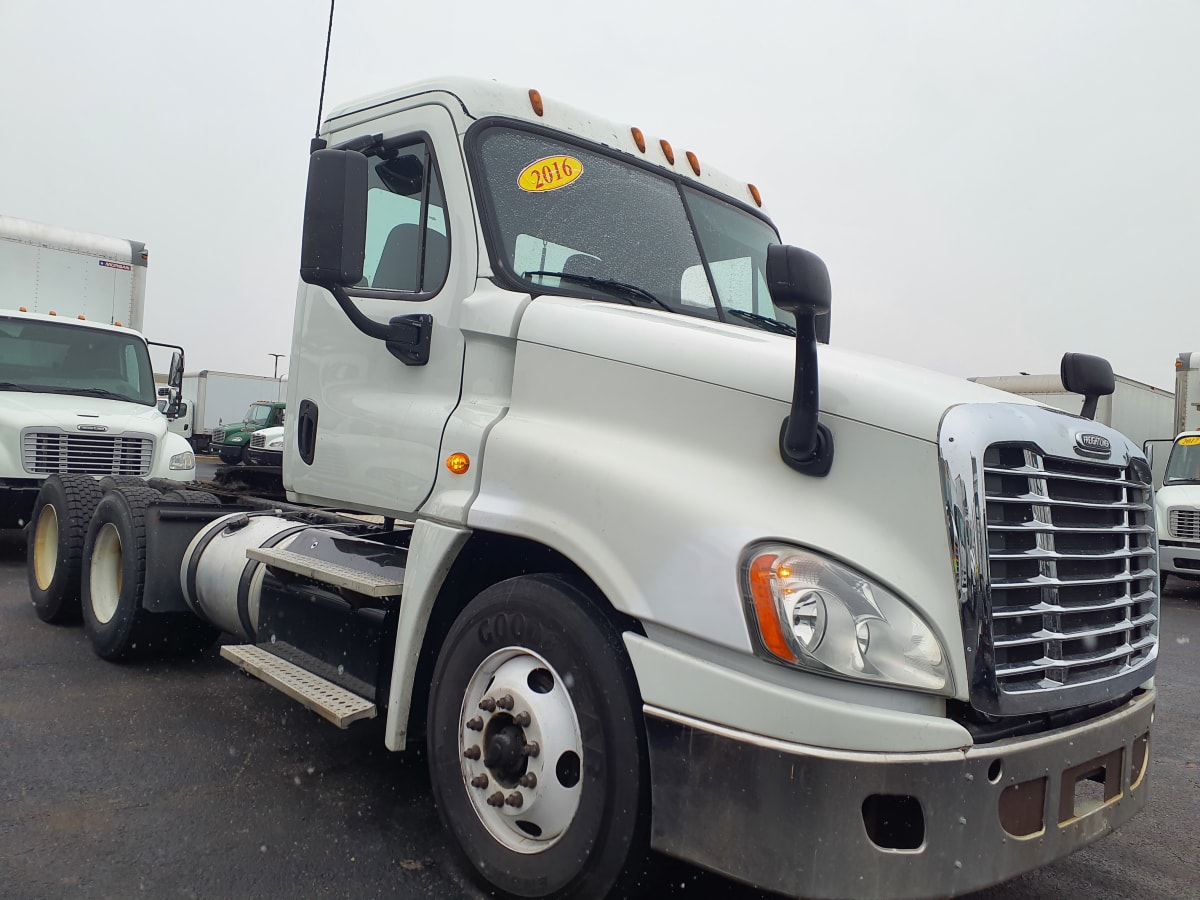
(537, 747)
(231, 456)
(54, 549)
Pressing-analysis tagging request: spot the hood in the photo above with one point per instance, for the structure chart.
(864, 388)
(20, 409)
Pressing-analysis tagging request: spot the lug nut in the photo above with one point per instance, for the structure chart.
(475, 724)
(487, 704)
(472, 752)
(515, 800)
(506, 702)
(479, 781)
(522, 719)
(531, 749)
(528, 780)
(496, 799)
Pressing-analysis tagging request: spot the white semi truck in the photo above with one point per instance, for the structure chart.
(76, 390)
(675, 576)
(1177, 500)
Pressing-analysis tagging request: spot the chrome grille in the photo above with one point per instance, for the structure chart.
(1185, 523)
(258, 440)
(1071, 563)
(217, 436)
(47, 452)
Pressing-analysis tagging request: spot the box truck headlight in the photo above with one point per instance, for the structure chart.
(184, 460)
(275, 443)
(813, 613)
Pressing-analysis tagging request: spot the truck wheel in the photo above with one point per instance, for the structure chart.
(54, 549)
(114, 571)
(231, 456)
(111, 482)
(537, 747)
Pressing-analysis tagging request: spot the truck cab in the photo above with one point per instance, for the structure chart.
(231, 441)
(1177, 507)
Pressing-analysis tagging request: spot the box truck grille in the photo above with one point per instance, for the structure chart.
(1185, 523)
(258, 440)
(47, 452)
(1071, 560)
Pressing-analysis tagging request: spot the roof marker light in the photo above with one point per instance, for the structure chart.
(667, 152)
(82, 318)
(53, 313)
(638, 138)
(756, 195)
(118, 324)
(23, 309)
(535, 100)
(691, 157)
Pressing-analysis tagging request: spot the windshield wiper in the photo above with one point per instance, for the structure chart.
(95, 392)
(763, 322)
(621, 287)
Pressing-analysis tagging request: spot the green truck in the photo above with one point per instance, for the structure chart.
(230, 441)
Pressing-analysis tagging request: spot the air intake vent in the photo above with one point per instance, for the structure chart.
(1185, 523)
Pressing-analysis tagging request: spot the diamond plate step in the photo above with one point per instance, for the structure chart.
(328, 700)
(365, 583)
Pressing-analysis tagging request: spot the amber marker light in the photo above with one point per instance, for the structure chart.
(458, 463)
(638, 138)
(118, 324)
(23, 309)
(52, 313)
(83, 318)
(667, 152)
(756, 195)
(764, 607)
(691, 157)
(535, 100)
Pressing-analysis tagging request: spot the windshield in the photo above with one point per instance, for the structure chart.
(258, 413)
(48, 357)
(575, 221)
(1184, 464)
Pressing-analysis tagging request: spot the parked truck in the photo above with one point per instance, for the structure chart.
(674, 574)
(1141, 412)
(76, 389)
(213, 399)
(1177, 501)
(232, 441)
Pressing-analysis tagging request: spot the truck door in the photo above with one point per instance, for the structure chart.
(367, 426)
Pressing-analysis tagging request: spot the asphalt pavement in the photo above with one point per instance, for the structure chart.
(189, 779)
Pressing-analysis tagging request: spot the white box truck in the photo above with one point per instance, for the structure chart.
(77, 394)
(1139, 411)
(676, 575)
(212, 399)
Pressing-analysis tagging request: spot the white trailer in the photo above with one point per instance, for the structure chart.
(212, 398)
(649, 567)
(76, 389)
(1139, 411)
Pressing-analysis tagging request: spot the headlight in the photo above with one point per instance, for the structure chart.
(184, 460)
(813, 613)
(275, 444)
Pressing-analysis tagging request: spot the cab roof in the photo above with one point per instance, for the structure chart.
(472, 99)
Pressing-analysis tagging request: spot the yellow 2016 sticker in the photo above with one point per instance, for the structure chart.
(549, 174)
(1189, 441)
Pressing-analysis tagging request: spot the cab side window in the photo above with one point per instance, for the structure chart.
(408, 237)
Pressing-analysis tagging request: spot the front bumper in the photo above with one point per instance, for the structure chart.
(1178, 557)
(259, 457)
(812, 822)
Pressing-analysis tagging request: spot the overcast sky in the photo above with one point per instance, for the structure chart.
(990, 183)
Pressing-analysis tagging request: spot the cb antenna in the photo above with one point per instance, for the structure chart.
(317, 143)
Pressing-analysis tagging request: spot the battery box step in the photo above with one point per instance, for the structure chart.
(365, 583)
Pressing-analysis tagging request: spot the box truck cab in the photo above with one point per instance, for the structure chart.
(76, 389)
(1177, 506)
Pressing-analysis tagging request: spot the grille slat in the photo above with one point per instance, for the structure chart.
(49, 452)
(1061, 616)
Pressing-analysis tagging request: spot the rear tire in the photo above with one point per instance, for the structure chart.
(54, 549)
(537, 746)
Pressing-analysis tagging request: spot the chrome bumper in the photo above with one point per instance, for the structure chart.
(823, 823)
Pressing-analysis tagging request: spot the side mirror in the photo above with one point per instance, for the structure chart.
(335, 219)
(175, 370)
(1091, 376)
(799, 283)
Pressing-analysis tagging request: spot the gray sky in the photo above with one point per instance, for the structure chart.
(991, 183)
